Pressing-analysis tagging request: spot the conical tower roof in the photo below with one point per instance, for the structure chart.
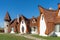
(7, 17)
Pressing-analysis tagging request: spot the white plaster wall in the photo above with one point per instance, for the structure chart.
(57, 33)
(57, 27)
(34, 32)
(12, 30)
(42, 27)
(24, 25)
(5, 26)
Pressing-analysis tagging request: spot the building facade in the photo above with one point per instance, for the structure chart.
(46, 24)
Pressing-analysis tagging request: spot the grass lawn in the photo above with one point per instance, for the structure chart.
(12, 37)
(47, 38)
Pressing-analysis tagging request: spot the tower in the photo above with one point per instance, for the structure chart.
(7, 20)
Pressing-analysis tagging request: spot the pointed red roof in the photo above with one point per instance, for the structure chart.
(7, 17)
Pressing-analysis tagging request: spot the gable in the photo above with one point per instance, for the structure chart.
(48, 14)
(33, 22)
(13, 23)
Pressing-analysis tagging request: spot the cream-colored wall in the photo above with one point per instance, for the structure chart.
(57, 27)
(5, 26)
(34, 32)
(42, 26)
(24, 25)
(12, 30)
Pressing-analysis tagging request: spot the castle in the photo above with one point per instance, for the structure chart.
(46, 24)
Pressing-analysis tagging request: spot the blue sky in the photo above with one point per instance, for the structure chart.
(28, 8)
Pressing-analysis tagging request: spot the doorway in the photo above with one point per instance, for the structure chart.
(22, 29)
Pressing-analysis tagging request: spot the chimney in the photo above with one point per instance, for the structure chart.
(50, 8)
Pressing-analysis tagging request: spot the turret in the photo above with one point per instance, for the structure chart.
(7, 20)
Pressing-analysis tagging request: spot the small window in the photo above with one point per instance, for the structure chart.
(7, 25)
(42, 17)
(22, 22)
(34, 28)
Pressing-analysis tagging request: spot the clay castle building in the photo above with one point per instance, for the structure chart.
(46, 24)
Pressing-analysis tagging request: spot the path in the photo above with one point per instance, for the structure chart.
(29, 36)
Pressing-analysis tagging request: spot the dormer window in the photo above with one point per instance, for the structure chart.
(33, 21)
(59, 13)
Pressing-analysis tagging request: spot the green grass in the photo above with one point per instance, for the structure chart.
(12, 37)
(47, 38)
